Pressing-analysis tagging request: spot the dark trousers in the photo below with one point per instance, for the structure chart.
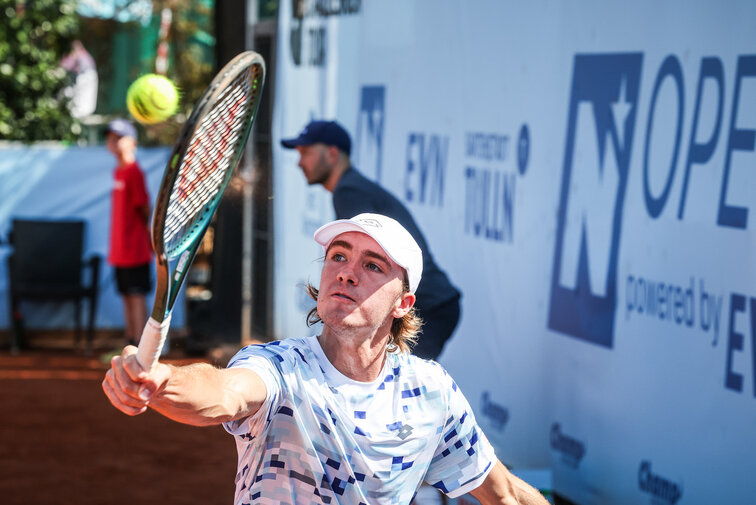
(438, 325)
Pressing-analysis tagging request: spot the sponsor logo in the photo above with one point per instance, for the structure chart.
(405, 431)
(374, 223)
(735, 376)
(601, 122)
(490, 184)
(368, 154)
(307, 35)
(600, 133)
(663, 490)
(497, 414)
(425, 171)
(571, 449)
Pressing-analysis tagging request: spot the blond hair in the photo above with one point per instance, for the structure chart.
(404, 330)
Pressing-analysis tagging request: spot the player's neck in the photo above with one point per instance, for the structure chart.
(335, 175)
(360, 359)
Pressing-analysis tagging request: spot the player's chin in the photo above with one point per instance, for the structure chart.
(348, 322)
(330, 311)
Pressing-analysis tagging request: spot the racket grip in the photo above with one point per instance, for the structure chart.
(151, 342)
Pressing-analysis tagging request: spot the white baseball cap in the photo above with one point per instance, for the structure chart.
(390, 235)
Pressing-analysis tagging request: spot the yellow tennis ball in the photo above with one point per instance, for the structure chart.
(152, 98)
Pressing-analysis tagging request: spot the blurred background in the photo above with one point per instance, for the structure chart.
(583, 171)
(66, 68)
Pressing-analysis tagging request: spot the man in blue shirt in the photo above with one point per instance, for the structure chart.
(324, 148)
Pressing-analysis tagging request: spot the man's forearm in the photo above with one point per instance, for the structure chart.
(203, 395)
(503, 488)
(527, 494)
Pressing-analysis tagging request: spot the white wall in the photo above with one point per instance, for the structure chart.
(562, 158)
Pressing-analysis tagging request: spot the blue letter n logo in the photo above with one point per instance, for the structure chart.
(596, 159)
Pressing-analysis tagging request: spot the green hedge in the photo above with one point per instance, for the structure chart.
(34, 36)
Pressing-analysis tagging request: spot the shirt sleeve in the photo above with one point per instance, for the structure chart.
(463, 457)
(257, 359)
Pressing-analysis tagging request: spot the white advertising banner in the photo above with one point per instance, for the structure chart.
(584, 173)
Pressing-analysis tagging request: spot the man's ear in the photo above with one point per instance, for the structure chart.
(403, 305)
(333, 154)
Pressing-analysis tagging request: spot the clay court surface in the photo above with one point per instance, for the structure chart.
(62, 442)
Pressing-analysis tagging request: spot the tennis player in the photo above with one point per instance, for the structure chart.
(346, 417)
(324, 156)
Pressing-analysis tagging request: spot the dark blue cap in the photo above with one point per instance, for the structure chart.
(326, 132)
(122, 128)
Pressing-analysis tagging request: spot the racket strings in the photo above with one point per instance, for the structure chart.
(215, 145)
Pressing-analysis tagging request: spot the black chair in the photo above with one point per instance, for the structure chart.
(46, 264)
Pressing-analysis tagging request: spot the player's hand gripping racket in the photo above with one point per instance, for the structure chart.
(203, 160)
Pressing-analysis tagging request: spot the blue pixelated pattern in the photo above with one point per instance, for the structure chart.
(322, 438)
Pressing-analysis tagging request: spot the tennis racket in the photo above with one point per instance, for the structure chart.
(200, 167)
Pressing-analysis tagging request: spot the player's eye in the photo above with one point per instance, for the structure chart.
(373, 267)
(338, 257)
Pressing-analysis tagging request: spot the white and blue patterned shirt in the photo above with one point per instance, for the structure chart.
(322, 438)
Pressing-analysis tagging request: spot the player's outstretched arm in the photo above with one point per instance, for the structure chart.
(198, 394)
(501, 487)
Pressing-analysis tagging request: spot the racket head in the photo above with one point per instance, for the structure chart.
(206, 154)
(203, 160)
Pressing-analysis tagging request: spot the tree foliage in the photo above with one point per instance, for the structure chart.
(34, 36)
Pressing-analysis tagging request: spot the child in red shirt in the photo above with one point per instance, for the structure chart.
(130, 248)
